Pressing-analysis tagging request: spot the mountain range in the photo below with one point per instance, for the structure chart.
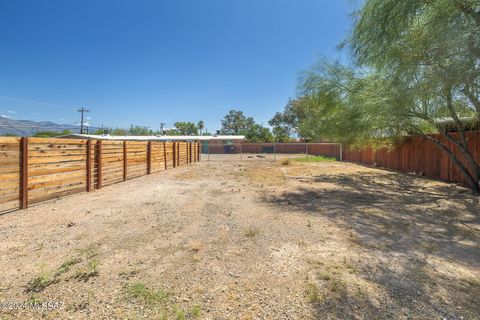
(10, 126)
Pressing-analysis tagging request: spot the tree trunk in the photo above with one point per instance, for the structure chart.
(462, 145)
(474, 183)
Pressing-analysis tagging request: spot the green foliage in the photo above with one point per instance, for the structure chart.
(140, 292)
(140, 131)
(41, 282)
(50, 134)
(235, 123)
(314, 159)
(100, 131)
(186, 128)
(285, 124)
(417, 72)
(257, 133)
(200, 126)
(119, 132)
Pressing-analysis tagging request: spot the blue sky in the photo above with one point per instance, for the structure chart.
(146, 62)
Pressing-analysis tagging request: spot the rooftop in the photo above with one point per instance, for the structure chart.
(150, 138)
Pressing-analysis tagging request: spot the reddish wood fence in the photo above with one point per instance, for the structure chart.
(417, 155)
(38, 169)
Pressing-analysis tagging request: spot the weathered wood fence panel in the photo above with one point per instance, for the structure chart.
(10, 174)
(417, 155)
(56, 167)
(33, 170)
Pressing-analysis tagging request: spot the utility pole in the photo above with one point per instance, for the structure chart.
(83, 110)
(162, 125)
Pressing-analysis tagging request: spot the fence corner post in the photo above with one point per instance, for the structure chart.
(24, 174)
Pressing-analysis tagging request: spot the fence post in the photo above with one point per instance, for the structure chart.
(190, 148)
(149, 157)
(306, 147)
(174, 154)
(165, 155)
(341, 152)
(208, 151)
(89, 165)
(178, 154)
(125, 152)
(199, 150)
(24, 174)
(274, 151)
(99, 164)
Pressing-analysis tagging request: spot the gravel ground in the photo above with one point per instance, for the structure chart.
(249, 240)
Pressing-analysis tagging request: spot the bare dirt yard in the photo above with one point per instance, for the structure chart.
(249, 240)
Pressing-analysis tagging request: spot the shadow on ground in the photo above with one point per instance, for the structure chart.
(419, 244)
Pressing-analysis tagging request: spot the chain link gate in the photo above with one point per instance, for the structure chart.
(268, 151)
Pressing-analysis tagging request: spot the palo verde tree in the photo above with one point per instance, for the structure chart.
(416, 72)
(428, 51)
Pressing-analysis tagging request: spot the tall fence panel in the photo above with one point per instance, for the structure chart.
(56, 168)
(33, 170)
(112, 162)
(137, 159)
(418, 155)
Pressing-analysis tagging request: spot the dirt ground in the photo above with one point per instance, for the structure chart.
(248, 240)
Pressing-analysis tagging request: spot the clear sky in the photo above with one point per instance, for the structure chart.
(146, 62)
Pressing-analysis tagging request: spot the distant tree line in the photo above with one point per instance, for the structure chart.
(180, 129)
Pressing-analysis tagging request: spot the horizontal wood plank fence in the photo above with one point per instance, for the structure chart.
(33, 170)
(418, 155)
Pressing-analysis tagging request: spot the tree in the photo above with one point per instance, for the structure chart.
(51, 134)
(428, 51)
(416, 72)
(200, 126)
(186, 128)
(285, 124)
(119, 132)
(140, 131)
(235, 122)
(258, 133)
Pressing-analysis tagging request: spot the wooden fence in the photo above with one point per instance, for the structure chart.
(417, 155)
(38, 169)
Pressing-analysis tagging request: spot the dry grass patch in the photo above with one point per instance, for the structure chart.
(251, 231)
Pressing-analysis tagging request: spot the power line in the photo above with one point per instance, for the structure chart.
(82, 111)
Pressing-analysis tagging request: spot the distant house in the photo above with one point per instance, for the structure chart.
(228, 144)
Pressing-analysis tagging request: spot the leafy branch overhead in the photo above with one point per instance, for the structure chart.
(415, 71)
